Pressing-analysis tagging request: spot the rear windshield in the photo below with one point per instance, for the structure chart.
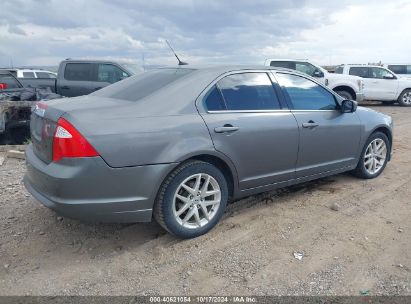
(8, 82)
(142, 85)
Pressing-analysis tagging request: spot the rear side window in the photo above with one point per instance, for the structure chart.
(359, 71)
(214, 101)
(248, 91)
(79, 72)
(8, 82)
(283, 64)
(305, 94)
(400, 68)
(137, 87)
(28, 75)
(43, 75)
(110, 73)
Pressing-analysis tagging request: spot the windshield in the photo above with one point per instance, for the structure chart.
(142, 85)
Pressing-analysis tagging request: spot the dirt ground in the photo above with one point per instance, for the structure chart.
(363, 247)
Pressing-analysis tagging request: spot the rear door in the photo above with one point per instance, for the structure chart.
(80, 78)
(248, 123)
(329, 139)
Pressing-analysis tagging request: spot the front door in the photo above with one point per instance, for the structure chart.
(381, 84)
(247, 124)
(329, 139)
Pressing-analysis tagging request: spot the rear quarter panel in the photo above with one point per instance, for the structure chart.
(135, 141)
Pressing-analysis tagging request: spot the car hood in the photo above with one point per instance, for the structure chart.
(404, 80)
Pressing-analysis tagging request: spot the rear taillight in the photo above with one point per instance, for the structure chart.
(68, 142)
(3, 86)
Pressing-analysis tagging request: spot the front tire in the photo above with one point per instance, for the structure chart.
(192, 199)
(374, 156)
(405, 98)
(345, 94)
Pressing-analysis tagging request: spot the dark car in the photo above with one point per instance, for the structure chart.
(81, 77)
(178, 143)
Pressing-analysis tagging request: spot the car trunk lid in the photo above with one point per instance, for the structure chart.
(43, 123)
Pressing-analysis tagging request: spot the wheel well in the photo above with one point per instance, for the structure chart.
(386, 132)
(222, 166)
(346, 88)
(403, 91)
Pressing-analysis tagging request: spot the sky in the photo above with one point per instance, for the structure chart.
(44, 32)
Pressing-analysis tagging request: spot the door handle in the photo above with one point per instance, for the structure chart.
(226, 129)
(311, 124)
(65, 87)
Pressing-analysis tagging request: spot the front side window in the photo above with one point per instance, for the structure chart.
(305, 68)
(248, 91)
(305, 94)
(79, 72)
(110, 73)
(359, 71)
(380, 73)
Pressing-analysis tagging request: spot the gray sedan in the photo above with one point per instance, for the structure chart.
(177, 144)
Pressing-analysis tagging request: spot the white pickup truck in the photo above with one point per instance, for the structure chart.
(349, 87)
(380, 83)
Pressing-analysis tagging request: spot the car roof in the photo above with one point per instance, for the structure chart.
(228, 68)
(287, 59)
(397, 63)
(364, 65)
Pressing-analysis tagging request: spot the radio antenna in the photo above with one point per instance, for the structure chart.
(179, 61)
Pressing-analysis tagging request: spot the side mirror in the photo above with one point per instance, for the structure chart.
(318, 74)
(348, 106)
(389, 77)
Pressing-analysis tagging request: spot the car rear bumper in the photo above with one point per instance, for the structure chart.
(88, 189)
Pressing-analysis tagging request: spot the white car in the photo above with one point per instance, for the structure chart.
(29, 73)
(380, 83)
(403, 70)
(349, 87)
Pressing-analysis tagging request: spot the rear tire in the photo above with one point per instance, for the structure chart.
(345, 94)
(191, 200)
(405, 98)
(374, 156)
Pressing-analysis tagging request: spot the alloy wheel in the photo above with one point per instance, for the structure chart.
(406, 98)
(196, 200)
(375, 155)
